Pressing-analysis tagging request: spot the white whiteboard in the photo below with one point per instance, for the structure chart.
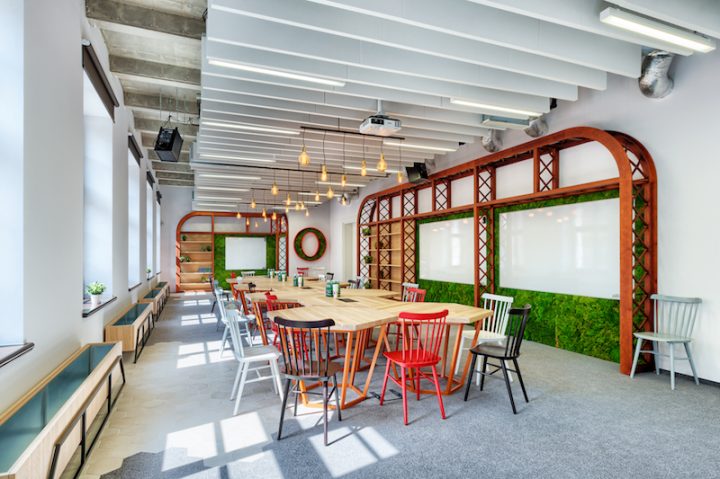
(568, 249)
(245, 253)
(446, 251)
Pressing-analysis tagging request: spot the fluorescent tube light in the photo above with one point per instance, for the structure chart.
(337, 183)
(420, 147)
(502, 122)
(483, 106)
(215, 205)
(654, 29)
(229, 177)
(242, 158)
(240, 126)
(216, 198)
(220, 188)
(276, 73)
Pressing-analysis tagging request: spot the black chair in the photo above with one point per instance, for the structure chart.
(354, 283)
(509, 351)
(329, 276)
(305, 347)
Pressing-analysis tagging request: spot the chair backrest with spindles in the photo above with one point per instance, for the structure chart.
(515, 330)
(353, 284)
(421, 335)
(305, 347)
(302, 271)
(675, 315)
(233, 322)
(405, 287)
(416, 295)
(500, 306)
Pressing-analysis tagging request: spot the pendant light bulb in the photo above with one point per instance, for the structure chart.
(343, 200)
(274, 190)
(330, 193)
(253, 204)
(304, 158)
(264, 213)
(323, 173)
(297, 206)
(363, 168)
(343, 180)
(382, 164)
(265, 219)
(399, 176)
(307, 212)
(247, 221)
(238, 215)
(317, 195)
(256, 224)
(288, 200)
(274, 215)
(287, 209)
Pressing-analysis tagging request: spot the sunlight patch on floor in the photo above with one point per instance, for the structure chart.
(365, 446)
(243, 430)
(199, 441)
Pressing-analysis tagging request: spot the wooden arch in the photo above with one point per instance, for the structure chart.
(636, 183)
(278, 228)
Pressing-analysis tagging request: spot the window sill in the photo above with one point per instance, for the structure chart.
(11, 353)
(131, 288)
(88, 311)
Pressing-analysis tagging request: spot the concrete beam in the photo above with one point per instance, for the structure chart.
(171, 175)
(153, 126)
(114, 12)
(184, 157)
(152, 72)
(176, 183)
(156, 102)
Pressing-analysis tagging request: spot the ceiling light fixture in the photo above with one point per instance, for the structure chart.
(382, 164)
(278, 73)
(221, 188)
(655, 29)
(330, 193)
(307, 213)
(304, 158)
(252, 202)
(229, 177)
(241, 158)
(324, 173)
(484, 106)
(239, 216)
(241, 126)
(216, 198)
(274, 216)
(317, 195)
(214, 205)
(420, 147)
(363, 165)
(247, 221)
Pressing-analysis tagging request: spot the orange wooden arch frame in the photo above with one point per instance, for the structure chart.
(278, 228)
(636, 183)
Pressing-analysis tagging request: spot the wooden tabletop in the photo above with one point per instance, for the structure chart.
(346, 318)
(457, 313)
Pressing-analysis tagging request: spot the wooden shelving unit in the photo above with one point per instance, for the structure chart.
(201, 262)
(386, 252)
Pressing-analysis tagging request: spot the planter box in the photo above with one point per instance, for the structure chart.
(153, 297)
(131, 328)
(40, 433)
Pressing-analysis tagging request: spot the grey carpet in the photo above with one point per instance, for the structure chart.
(584, 419)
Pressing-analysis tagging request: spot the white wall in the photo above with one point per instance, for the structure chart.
(319, 218)
(680, 133)
(51, 188)
(176, 203)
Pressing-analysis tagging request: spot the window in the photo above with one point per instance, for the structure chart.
(133, 219)
(97, 214)
(149, 221)
(158, 230)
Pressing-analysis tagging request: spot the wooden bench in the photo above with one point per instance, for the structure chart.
(132, 328)
(153, 297)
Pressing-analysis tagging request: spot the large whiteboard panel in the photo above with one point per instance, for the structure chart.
(446, 251)
(245, 253)
(569, 249)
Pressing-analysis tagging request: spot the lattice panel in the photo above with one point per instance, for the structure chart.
(366, 216)
(409, 248)
(485, 191)
(642, 276)
(547, 178)
(408, 203)
(442, 195)
(385, 209)
(384, 256)
(486, 254)
(282, 253)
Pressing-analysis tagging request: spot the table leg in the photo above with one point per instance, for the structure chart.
(453, 361)
(382, 338)
(346, 368)
(466, 368)
(445, 351)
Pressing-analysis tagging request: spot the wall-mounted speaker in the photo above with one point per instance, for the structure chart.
(168, 144)
(416, 173)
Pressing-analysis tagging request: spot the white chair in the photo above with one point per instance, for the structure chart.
(493, 329)
(405, 288)
(247, 274)
(266, 356)
(674, 321)
(224, 320)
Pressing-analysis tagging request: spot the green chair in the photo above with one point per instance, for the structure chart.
(673, 324)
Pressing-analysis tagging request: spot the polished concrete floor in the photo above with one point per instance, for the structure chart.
(174, 420)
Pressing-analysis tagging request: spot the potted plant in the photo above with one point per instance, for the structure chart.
(95, 289)
(366, 231)
(183, 237)
(148, 271)
(366, 285)
(184, 259)
(367, 258)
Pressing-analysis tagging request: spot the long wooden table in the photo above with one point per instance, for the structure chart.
(357, 312)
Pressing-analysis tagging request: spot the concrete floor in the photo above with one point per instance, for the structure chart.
(174, 420)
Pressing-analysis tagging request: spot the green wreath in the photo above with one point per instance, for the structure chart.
(298, 244)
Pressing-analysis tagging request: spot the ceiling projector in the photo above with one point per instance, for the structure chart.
(379, 125)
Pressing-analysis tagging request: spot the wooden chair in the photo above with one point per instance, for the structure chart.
(310, 362)
(405, 287)
(247, 274)
(493, 328)
(415, 295)
(673, 324)
(509, 351)
(267, 356)
(329, 276)
(353, 284)
(303, 271)
(419, 347)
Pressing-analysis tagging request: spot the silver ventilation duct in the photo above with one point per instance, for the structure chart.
(492, 142)
(654, 81)
(538, 127)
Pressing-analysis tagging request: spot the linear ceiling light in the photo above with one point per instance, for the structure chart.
(221, 188)
(502, 122)
(216, 205)
(276, 73)
(421, 147)
(484, 106)
(654, 29)
(240, 126)
(229, 177)
(242, 158)
(359, 168)
(216, 198)
(337, 183)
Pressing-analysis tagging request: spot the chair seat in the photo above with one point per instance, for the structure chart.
(332, 368)
(260, 353)
(491, 351)
(663, 338)
(483, 336)
(413, 358)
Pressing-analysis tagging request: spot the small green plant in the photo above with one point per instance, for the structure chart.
(95, 288)
(204, 279)
(183, 237)
(366, 285)
(367, 258)
(184, 259)
(206, 248)
(366, 231)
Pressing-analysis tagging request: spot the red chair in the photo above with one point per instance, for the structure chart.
(303, 271)
(232, 275)
(421, 337)
(416, 295)
(272, 305)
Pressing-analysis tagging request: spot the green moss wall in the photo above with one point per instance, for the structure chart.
(576, 323)
(221, 274)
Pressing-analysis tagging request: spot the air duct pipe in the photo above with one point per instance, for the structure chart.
(538, 127)
(492, 142)
(654, 81)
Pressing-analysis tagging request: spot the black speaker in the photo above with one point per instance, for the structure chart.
(168, 144)
(416, 173)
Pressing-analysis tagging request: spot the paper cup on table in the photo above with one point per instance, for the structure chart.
(336, 290)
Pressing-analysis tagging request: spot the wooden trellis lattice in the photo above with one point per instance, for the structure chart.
(636, 183)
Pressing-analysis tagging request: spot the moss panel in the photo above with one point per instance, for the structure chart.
(221, 274)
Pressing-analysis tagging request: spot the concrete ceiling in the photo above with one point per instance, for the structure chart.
(155, 51)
